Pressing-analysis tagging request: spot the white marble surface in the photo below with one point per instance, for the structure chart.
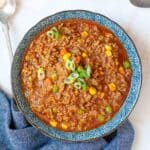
(136, 22)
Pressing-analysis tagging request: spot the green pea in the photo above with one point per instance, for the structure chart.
(109, 109)
(40, 74)
(54, 76)
(126, 64)
(101, 118)
(55, 89)
(81, 111)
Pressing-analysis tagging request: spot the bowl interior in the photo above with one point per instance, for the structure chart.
(126, 107)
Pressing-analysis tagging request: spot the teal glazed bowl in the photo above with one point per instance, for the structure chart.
(129, 102)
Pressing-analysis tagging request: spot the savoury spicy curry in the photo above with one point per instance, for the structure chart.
(75, 75)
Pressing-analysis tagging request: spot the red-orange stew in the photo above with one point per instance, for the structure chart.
(75, 75)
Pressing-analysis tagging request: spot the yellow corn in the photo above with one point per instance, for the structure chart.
(63, 51)
(84, 34)
(121, 70)
(63, 36)
(54, 110)
(92, 90)
(84, 55)
(64, 126)
(53, 123)
(108, 53)
(108, 47)
(66, 56)
(112, 87)
(27, 58)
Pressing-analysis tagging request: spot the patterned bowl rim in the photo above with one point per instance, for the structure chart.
(127, 106)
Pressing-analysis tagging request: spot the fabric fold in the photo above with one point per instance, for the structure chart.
(17, 134)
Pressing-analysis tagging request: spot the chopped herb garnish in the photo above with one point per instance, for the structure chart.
(54, 33)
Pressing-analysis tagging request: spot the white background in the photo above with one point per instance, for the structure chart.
(136, 22)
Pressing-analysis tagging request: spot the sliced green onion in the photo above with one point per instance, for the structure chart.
(51, 34)
(54, 33)
(84, 87)
(57, 35)
(126, 64)
(55, 89)
(70, 65)
(88, 70)
(54, 76)
(83, 83)
(74, 75)
(77, 85)
(69, 80)
(81, 80)
(40, 74)
(83, 74)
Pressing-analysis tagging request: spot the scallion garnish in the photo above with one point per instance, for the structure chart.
(88, 71)
(74, 75)
(77, 85)
(40, 74)
(70, 65)
(54, 33)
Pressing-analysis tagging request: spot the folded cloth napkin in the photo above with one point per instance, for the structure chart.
(17, 134)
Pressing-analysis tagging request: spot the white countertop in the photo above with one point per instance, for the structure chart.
(136, 22)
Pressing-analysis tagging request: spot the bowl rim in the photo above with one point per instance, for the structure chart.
(60, 134)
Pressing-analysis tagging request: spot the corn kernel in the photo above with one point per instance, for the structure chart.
(27, 58)
(63, 51)
(108, 53)
(92, 90)
(66, 56)
(53, 123)
(84, 34)
(54, 110)
(108, 47)
(63, 36)
(112, 87)
(121, 70)
(84, 55)
(64, 126)
(102, 94)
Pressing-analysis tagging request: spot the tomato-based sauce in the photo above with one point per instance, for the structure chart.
(75, 75)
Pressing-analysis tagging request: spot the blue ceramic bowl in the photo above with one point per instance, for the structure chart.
(126, 107)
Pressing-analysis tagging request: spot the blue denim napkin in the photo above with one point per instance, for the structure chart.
(17, 134)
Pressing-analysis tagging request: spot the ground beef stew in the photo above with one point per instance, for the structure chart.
(75, 75)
